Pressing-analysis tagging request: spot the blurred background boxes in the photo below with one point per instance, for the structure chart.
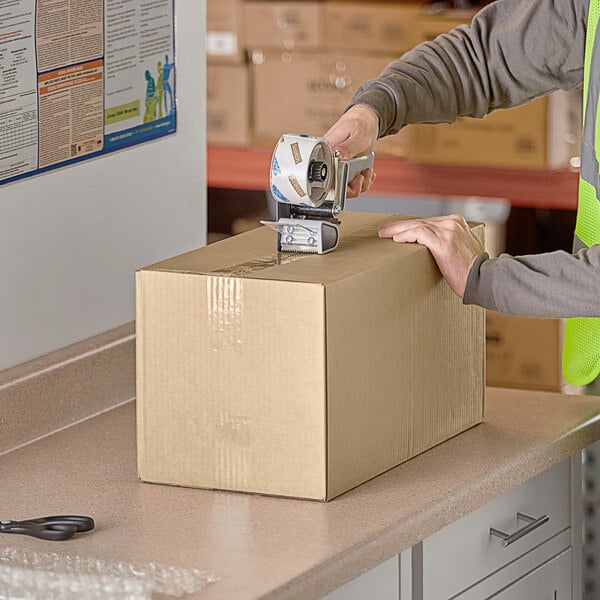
(283, 25)
(523, 353)
(543, 134)
(225, 31)
(227, 105)
(307, 59)
(371, 27)
(304, 92)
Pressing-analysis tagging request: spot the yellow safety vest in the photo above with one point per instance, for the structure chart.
(581, 353)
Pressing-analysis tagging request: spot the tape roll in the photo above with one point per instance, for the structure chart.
(302, 170)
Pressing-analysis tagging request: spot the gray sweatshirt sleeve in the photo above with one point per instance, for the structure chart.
(514, 51)
(552, 285)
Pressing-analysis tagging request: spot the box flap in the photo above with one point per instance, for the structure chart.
(253, 255)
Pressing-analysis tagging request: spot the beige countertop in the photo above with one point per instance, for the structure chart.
(263, 547)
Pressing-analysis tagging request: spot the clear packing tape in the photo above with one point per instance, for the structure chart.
(49, 576)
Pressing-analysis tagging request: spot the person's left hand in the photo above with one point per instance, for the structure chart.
(449, 239)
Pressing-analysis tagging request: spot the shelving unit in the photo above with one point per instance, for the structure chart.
(248, 169)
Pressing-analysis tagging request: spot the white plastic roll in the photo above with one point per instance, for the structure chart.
(301, 170)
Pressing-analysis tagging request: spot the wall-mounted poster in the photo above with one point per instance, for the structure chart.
(80, 78)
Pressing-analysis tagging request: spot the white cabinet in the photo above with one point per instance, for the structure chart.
(540, 560)
(465, 553)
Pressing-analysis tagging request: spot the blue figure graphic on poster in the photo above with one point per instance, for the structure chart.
(166, 86)
(159, 90)
(150, 112)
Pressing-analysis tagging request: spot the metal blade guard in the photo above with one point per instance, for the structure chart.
(308, 182)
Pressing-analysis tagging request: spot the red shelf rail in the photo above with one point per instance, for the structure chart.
(248, 169)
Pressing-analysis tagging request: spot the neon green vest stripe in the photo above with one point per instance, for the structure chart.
(581, 353)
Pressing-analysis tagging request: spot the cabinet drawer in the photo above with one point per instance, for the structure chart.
(551, 581)
(464, 553)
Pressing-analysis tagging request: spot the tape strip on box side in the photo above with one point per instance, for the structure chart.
(225, 298)
(225, 307)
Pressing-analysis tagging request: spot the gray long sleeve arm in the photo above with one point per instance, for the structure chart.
(553, 285)
(514, 51)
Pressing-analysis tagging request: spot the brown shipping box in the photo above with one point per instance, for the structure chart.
(371, 27)
(298, 92)
(300, 375)
(283, 25)
(227, 105)
(543, 134)
(225, 31)
(523, 353)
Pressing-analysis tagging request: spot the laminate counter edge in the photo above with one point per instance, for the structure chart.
(59, 389)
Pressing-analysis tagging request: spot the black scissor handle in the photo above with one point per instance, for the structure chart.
(54, 528)
(43, 532)
(81, 523)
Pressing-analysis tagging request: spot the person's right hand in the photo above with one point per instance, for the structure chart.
(355, 134)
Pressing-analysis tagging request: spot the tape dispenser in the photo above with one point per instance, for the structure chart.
(308, 182)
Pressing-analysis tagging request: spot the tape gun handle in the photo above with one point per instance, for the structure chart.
(359, 164)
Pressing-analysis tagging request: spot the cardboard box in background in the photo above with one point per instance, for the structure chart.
(543, 134)
(395, 145)
(227, 105)
(371, 27)
(225, 31)
(306, 92)
(523, 353)
(283, 25)
(300, 375)
(492, 212)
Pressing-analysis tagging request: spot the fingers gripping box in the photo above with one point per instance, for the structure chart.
(300, 375)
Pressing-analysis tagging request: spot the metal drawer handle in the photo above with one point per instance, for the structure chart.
(532, 524)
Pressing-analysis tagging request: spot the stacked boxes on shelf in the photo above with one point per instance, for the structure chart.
(225, 32)
(227, 85)
(523, 353)
(302, 63)
(293, 66)
(228, 102)
(304, 92)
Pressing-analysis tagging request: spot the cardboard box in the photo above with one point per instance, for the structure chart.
(225, 31)
(227, 105)
(305, 92)
(283, 25)
(371, 27)
(523, 353)
(544, 134)
(297, 374)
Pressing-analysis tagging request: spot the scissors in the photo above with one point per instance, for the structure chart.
(55, 528)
